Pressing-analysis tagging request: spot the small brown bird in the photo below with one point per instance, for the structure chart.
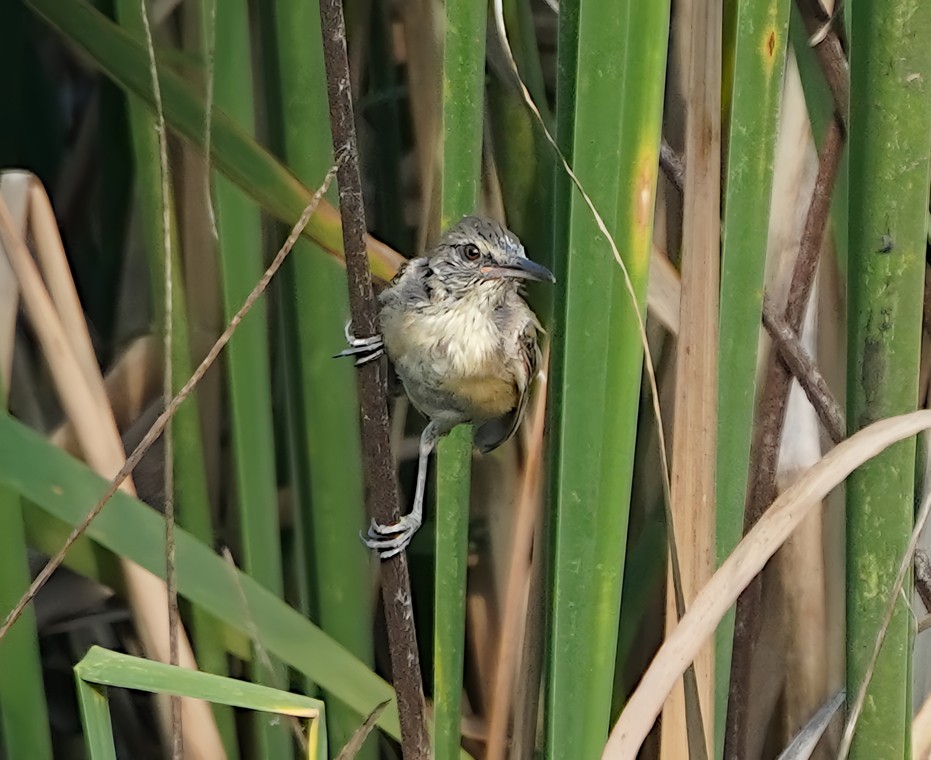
(464, 343)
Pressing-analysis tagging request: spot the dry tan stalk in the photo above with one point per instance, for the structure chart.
(695, 425)
(14, 189)
(56, 273)
(801, 562)
(801, 567)
(747, 559)
(84, 400)
(514, 609)
(423, 35)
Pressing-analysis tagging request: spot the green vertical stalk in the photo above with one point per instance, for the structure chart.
(610, 79)
(247, 356)
(191, 494)
(326, 451)
(889, 144)
(463, 107)
(759, 64)
(24, 722)
(95, 717)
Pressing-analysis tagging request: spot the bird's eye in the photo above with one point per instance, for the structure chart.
(471, 252)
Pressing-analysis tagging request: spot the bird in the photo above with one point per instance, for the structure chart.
(463, 342)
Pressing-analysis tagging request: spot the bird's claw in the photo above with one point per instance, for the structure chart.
(363, 350)
(389, 540)
(355, 342)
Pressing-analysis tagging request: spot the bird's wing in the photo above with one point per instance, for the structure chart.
(492, 434)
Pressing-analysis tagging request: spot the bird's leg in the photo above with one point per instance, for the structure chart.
(364, 349)
(392, 539)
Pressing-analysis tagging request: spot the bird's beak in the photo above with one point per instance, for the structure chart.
(523, 269)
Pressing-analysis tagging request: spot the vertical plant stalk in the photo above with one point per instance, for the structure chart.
(759, 63)
(382, 485)
(22, 697)
(597, 349)
(192, 499)
(514, 643)
(8, 237)
(80, 388)
(764, 453)
(25, 723)
(247, 367)
(889, 145)
(325, 453)
(694, 434)
(171, 579)
(462, 111)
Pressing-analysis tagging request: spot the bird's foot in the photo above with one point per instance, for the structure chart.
(391, 539)
(363, 349)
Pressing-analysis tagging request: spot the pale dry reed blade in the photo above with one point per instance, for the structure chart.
(696, 395)
(81, 390)
(748, 558)
(159, 425)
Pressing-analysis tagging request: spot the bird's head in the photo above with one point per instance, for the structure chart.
(478, 255)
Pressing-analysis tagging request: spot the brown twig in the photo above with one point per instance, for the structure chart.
(764, 454)
(830, 53)
(159, 425)
(382, 487)
(802, 366)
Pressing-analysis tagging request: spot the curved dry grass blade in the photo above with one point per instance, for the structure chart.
(159, 425)
(81, 390)
(805, 741)
(750, 556)
(22, 692)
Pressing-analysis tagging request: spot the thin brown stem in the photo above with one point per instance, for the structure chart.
(381, 483)
(764, 453)
(830, 53)
(171, 580)
(799, 362)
